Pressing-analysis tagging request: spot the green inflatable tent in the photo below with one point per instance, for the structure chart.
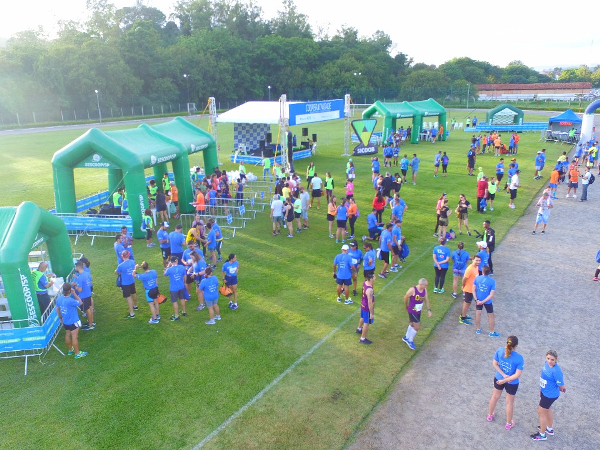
(505, 115)
(125, 154)
(22, 229)
(391, 112)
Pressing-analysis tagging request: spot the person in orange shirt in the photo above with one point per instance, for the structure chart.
(200, 203)
(174, 197)
(573, 181)
(554, 176)
(497, 144)
(516, 147)
(352, 209)
(471, 273)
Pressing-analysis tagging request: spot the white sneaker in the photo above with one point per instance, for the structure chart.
(567, 196)
(491, 209)
(574, 195)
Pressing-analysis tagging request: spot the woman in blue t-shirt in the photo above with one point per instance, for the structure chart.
(148, 279)
(509, 366)
(552, 383)
(459, 258)
(230, 273)
(66, 309)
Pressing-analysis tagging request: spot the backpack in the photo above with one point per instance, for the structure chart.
(404, 251)
(592, 178)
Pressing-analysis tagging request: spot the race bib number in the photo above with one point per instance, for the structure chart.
(543, 383)
(418, 307)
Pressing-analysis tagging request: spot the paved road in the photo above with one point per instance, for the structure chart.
(546, 298)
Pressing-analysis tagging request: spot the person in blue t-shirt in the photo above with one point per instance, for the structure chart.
(500, 170)
(211, 243)
(357, 257)
(163, 242)
(459, 258)
(441, 258)
(83, 285)
(373, 227)
(414, 166)
(177, 243)
(483, 254)
(148, 279)
(369, 259)
(230, 271)
(509, 366)
(66, 309)
(374, 167)
(398, 208)
(118, 246)
(176, 273)
(126, 270)
(404, 162)
(210, 288)
(341, 218)
(484, 289)
(342, 272)
(385, 245)
(552, 383)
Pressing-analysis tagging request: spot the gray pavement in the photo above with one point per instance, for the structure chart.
(546, 297)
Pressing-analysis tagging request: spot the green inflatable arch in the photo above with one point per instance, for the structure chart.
(22, 229)
(125, 154)
(391, 112)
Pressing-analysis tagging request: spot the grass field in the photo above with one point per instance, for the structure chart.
(171, 385)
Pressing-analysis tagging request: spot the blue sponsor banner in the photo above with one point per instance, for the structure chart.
(302, 113)
(30, 338)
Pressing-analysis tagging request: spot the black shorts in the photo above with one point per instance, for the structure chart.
(513, 193)
(468, 297)
(471, 164)
(297, 215)
(316, 193)
(148, 234)
(414, 318)
(491, 196)
(73, 326)
(87, 303)
(384, 256)
(330, 218)
(545, 402)
(166, 253)
(189, 279)
(499, 177)
(341, 224)
(396, 250)
(128, 290)
(489, 307)
(403, 172)
(511, 389)
(368, 272)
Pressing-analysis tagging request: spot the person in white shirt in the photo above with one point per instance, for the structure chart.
(514, 185)
(316, 184)
(276, 213)
(545, 204)
(585, 182)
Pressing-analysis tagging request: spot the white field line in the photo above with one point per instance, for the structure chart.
(276, 380)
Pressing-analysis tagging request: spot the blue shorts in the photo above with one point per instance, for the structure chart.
(231, 281)
(304, 214)
(211, 303)
(364, 315)
(542, 218)
(373, 232)
(458, 272)
(344, 281)
(211, 249)
(553, 185)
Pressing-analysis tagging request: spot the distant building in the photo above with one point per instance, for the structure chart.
(541, 91)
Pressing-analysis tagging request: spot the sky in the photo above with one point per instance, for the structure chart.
(432, 33)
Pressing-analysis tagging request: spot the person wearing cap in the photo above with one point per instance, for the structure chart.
(367, 309)
(482, 193)
(483, 255)
(540, 160)
(413, 302)
(357, 258)
(514, 185)
(441, 258)
(484, 289)
(343, 271)
(126, 270)
(545, 204)
(177, 242)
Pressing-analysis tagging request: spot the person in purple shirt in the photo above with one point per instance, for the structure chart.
(367, 309)
(484, 289)
(342, 272)
(176, 273)
(66, 309)
(413, 302)
(83, 285)
(509, 366)
(126, 271)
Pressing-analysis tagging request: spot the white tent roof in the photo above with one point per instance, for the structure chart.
(254, 112)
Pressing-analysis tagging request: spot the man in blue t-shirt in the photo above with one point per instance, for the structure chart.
(398, 208)
(396, 244)
(404, 162)
(177, 243)
(126, 270)
(414, 166)
(483, 254)
(83, 285)
(369, 260)
(342, 272)
(176, 273)
(373, 226)
(163, 242)
(119, 248)
(484, 288)
(385, 246)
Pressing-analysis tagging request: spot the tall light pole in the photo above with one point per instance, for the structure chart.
(187, 83)
(98, 101)
(269, 87)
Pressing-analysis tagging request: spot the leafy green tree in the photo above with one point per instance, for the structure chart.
(290, 23)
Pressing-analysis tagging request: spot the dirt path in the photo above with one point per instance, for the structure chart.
(546, 298)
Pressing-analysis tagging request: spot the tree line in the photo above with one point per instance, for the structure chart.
(229, 50)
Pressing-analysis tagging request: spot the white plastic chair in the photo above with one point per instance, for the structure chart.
(460, 125)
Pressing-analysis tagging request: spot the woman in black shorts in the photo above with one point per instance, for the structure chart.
(161, 206)
(288, 213)
(331, 213)
(462, 211)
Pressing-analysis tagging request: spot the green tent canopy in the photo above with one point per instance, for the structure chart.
(391, 112)
(125, 154)
(22, 229)
(505, 115)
